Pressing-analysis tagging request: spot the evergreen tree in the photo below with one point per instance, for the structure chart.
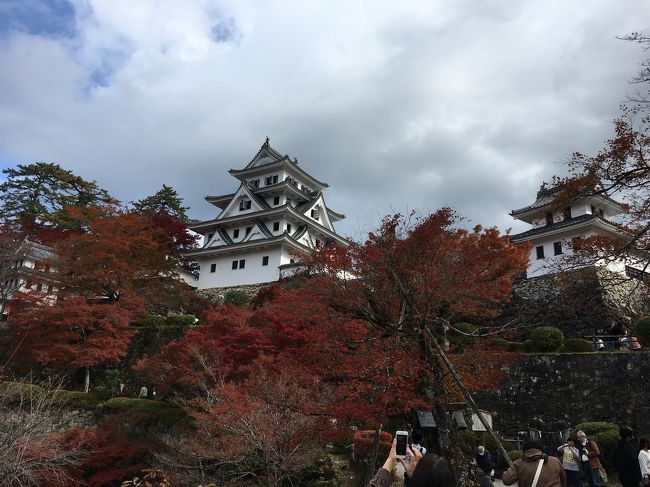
(35, 197)
(166, 200)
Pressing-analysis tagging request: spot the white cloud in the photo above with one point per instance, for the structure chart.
(397, 106)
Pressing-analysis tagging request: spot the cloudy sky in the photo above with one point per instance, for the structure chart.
(398, 105)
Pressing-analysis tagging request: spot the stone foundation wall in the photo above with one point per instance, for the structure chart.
(580, 302)
(213, 294)
(554, 392)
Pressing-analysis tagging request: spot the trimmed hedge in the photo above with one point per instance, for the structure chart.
(160, 412)
(642, 330)
(159, 322)
(498, 344)
(238, 298)
(515, 347)
(547, 339)
(515, 455)
(578, 345)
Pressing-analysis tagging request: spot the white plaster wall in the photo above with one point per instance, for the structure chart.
(548, 265)
(254, 272)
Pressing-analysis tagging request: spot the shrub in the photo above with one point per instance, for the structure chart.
(181, 320)
(238, 298)
(578, 345)
(515, 347)
(153, 321)
(158, 412)
(499, 344)
(529, 347)
(547, 339)
(642, 330)
(364, 439)
(515, 455)
(460, 332)
(82, 400)
(159, 322)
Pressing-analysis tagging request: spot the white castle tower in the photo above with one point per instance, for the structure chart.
(277, 212)
(556, 231)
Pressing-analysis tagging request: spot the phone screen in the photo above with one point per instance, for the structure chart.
(401, 444)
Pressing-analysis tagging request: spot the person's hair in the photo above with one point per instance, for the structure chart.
(416, 436)
(581, 434)
(626, 432)
(644, 443)
(433, 471)
(529, 444)
(571, 438)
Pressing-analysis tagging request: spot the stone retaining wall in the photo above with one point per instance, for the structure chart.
(580, 302)
(215, 294)
(553, 392)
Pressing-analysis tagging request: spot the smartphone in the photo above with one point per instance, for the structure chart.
(402, 441)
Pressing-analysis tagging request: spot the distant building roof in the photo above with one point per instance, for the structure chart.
(567, 223)
(547, 196)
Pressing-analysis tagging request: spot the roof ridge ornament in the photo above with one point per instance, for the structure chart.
(266, 142)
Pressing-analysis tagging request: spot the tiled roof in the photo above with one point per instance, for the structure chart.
(559, 225)
(269, 149)
(546, 196)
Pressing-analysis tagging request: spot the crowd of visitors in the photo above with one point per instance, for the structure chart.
(534, 469)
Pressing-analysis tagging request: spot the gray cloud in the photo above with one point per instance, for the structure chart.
(398, 107)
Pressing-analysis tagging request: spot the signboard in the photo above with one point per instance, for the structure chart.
(425, 418)
(476, 422)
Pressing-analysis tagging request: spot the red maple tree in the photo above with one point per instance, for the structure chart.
(73, 332)
(118, 254)
(412, 282)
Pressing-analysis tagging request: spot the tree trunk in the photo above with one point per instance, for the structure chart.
(372, 462)
(87, 379)
(468, 397)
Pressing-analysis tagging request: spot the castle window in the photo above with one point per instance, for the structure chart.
(249, 230)
(540, 252)
(234, 264)
(245, 205)
(235, 233)
(275, 179)
(567, 213)
(213, 267)
(255, 183)
(242, 263)
(317, 243)
(557, 248)
(269, 180)
(265, 260)
(549, 218)
(276, 201)
(276, 226)
(288, 227)
(315, 214)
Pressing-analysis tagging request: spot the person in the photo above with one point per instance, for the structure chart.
(416, 438)
(571, 462)
(644, 460)
(523, 471)
(484, 466)
(590, 458)
(428, 470)
(626, 459)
